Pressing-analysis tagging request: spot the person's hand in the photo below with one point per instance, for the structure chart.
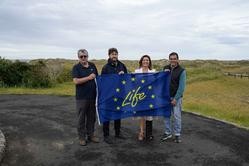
(166, 70)
(173, 102)
(91, 76)
(121, 72)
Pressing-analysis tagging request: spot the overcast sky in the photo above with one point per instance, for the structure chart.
(196, 29)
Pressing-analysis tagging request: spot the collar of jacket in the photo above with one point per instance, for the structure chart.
(173, 67)
(111, 63)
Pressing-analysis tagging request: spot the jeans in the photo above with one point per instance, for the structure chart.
(175, 120)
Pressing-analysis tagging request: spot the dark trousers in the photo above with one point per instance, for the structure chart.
(148, 129)
(86, 117)
(117, 125)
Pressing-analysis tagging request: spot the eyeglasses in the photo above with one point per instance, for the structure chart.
(83, 56)
(172, 59)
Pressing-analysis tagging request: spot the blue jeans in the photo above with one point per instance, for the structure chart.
(175, 118)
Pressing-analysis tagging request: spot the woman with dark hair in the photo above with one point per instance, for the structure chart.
(145, 66)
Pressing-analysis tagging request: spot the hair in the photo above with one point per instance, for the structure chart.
(141, 59)
(84, 51)
(173, 53)
(111, 50)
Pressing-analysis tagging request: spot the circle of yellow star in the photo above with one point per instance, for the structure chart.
(115, 99)
(117, 90)
(133, 79)
(124, 82)
(142, 81)
(118, 108)
(150, 87)
(153, 96)
(151, 105)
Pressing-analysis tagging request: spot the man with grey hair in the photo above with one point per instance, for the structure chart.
(84, 74)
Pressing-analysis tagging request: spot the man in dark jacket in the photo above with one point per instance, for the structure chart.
(84, 74)
(113, 66)
(177, 86)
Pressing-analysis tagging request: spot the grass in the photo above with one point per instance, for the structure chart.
(224, 98)
(65, 89)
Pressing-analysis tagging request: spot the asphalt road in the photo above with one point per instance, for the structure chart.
(41, 131)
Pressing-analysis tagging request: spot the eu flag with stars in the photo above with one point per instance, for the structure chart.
(127, 95)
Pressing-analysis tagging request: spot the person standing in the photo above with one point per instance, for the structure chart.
(145, 66)
(177, 87)
(84, 74)
(113, 66)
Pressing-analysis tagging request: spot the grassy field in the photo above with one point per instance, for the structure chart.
(224, 98)
(208, 91)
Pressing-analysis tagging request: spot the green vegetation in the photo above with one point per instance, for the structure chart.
(209, 92)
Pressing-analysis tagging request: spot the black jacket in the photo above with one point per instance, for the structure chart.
(112, 68)
(175, 78)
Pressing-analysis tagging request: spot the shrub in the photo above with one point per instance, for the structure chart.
(23, 74)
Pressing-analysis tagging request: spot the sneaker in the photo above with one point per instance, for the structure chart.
(166, 137)
(120, 136)
(82, 142)
(177, 139)
(108, 140)
(93, 139)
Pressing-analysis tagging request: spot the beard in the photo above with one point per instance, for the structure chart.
(114, 59)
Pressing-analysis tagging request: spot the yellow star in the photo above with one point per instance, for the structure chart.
(153, 96)
(117, 90)
(150, 87)
(151, 106)
(115, 99)
(124, 82)
(142, 81)
(118, 108)
(133, 79)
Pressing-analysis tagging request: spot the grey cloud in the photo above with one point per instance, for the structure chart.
(60, 27)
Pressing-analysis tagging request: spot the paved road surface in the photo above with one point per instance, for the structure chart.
(41, 131)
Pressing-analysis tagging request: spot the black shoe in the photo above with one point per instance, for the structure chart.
(166, 137)
(120, 136)
(177, 139)
(150, 138)
(108, 140)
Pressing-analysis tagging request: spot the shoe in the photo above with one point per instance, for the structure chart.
(120, 136)
(82, 142)
(141, 136)
(166, 137)
(150, 138)
(177, 139)
(108, 140)
(93, 139)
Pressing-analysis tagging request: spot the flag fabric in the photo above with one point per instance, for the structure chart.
(127, 95)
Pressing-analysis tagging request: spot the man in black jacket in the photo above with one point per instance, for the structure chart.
(113, 66)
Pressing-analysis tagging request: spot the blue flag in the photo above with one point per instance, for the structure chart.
(126, 95)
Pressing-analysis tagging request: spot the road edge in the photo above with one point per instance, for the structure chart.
(2, 145)
(213, 118)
